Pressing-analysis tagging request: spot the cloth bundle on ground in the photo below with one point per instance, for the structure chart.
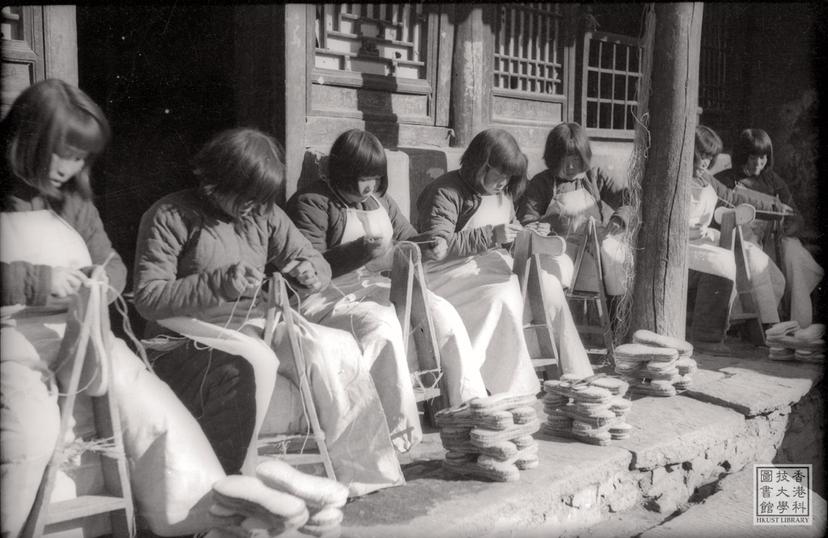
(591, 410)
(490, 437)
(787, 342)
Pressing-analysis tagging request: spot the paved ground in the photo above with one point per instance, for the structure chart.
(736, 413)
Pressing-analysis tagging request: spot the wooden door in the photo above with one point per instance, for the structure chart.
(38, 42)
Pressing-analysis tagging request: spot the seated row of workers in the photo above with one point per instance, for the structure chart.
(712, 268)
(202, 255)
(200, 261)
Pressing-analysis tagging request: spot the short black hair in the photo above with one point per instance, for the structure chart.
(356, 154)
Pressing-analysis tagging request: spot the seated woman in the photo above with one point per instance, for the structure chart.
(472, 209)
(201, 256)
(711, 283)
(753, 169)
(52, 247)
(350, 219)
(568, 193)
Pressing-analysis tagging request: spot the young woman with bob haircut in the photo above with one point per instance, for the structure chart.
(570, 192)
(350, 218)
(472, 210)
(753, 171)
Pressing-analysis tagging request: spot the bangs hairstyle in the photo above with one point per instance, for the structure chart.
(53, 117)
(355, 154)
(244, 165)
(566, 139)
(752, 142)
(708, 145)
(497, 149)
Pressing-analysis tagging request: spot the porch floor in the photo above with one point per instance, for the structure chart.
(740, 410)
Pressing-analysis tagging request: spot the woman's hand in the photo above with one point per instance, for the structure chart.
(376, 246)
(241, 279)
(65, 281)
(615, 226)
(305, 274)
(436, 250)
(540, 228)
(506, 233)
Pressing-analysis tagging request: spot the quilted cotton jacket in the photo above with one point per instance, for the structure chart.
(25, 283)
(445, 206)
(603, 188)
(185, 247)
(320, 215)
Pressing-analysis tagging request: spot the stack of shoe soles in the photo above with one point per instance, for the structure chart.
(279, 501)
(591, 410)
(490, 437)
(685, 364)
(659, 367)
(788, 342)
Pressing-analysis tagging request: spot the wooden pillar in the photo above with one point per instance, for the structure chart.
(660, 293)
(271, 77)
(60, 43)
(471, 86)
(297, 54)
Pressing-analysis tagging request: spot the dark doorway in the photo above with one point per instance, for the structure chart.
(163, 76)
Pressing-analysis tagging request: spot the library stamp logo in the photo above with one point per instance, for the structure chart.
(782, 494)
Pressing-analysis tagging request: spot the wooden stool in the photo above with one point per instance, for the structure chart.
(597, 298)
(295, 448)
(116, 500)
(731, 221)
(408, 294)
(530, 250)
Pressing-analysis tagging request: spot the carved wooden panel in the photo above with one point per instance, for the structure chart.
(362, 102)
(380, 39)
(505, 109)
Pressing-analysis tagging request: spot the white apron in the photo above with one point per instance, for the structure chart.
(704, 253)
(578, 206)
(706, 256)
(358, 302)
(172, 464)
(802, 274)
(487, 296)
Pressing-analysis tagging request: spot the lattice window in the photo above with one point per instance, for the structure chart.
(528, 51)
(11, 25)
(611, 73)
(380, 39)
(715, 49)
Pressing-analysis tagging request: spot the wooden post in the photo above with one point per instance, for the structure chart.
(471, 87)
(660, 293)
(271, 56)
(60, 43)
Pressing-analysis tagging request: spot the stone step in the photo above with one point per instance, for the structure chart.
(676, 445)
(728, 512)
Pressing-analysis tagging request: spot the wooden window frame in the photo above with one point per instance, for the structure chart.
(597, 132)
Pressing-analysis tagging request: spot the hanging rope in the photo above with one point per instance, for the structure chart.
(637, 163)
